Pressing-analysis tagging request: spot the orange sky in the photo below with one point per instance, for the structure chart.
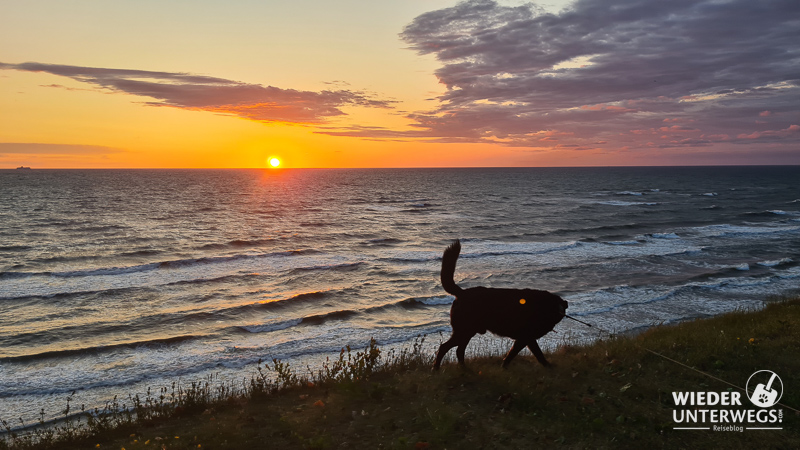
(418, 83)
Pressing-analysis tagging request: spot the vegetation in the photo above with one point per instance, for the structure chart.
(614, 393)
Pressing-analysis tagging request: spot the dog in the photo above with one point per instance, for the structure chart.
(524, 315)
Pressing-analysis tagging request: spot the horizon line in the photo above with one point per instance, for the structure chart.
(278, 169)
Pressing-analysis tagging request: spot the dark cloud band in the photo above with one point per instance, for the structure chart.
(608, 74)
(195, 92)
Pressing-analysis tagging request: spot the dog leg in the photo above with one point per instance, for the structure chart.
(537, 352)
(463, 340)
(443, 349)
(462, 348)
(516, 348)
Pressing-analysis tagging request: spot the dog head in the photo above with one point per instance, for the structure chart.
(551, 308)
(562, 307)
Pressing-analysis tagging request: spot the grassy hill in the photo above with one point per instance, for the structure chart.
(614, 393)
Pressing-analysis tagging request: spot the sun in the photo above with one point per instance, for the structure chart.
(274, 162)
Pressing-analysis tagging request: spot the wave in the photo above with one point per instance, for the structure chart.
(14, 248)
(771, 213)
(314, 320)
(733, 272)
(702, 290)
(282, 303)
(638, 194)
(319, 319)
(776, 263)
(724, 230)
(435, 301)
(146, 252)
(77, 381)
(596, 230)
(295, 300)
(237, 243)
(413, 303)
(270, 327)
(385, 242)
(489, 248)
(100, 349)
(622, 242)
(334, 267)
(223, 259)
(623, 203)
(383, 208)
(171, 264)
(92, 228)
(565, 253)
(344, 314)
(663, 236)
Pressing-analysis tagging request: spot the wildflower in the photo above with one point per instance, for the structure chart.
(752, 340)
(147, 442)
(319, 403)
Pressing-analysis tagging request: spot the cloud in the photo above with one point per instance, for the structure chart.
(602, 68)
(793, 129)
(55, 149)
(205, 93)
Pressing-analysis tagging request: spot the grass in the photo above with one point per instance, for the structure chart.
(614, 393)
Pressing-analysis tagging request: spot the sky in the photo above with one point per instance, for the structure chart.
(400, 83)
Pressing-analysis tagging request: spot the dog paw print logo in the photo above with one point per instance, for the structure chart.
(768, 388)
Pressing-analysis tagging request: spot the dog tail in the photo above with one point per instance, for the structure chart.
(449, 268)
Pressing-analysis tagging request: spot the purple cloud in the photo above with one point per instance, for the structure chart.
(611, 73)
(196, 92)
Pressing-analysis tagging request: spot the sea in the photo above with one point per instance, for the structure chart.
(116, 281)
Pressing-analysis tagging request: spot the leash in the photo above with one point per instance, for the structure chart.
(576, 320)
(683, 365)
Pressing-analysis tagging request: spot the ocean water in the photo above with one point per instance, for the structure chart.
(113, 281)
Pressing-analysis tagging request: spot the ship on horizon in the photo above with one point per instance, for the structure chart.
(23, 168)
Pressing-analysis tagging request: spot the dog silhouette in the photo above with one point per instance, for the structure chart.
(524, 315)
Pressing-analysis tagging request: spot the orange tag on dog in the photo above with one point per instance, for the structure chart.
(522, 301)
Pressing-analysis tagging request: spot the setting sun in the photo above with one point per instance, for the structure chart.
(274, 162)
